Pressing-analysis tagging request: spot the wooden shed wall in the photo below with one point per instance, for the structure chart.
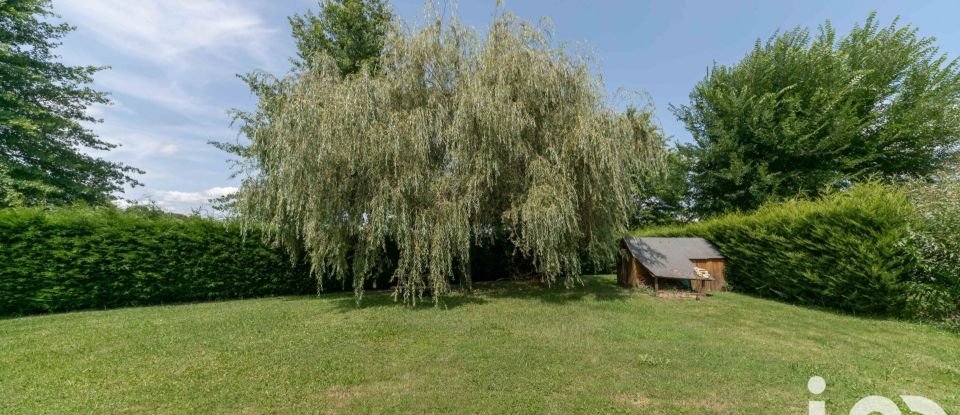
(630, 273)
(717, 269)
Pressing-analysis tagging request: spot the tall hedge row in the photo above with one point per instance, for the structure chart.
(846, 251)
(81, 258)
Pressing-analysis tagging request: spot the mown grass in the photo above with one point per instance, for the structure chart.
(508, 348)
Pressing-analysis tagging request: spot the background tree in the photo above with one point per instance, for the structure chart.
(351, 32)
(799, 115)
(43, 104)
(663, 198)
(661, 192)
(459, 138)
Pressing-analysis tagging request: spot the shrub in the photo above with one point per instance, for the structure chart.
(934, 244)
(80, 258)
(845, 251)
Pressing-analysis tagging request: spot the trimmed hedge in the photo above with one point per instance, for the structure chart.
(845, 251)
(82, 258)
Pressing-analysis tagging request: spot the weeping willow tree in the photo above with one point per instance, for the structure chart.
(458, 138)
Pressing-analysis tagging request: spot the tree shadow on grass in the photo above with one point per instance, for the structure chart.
(593, 287)
(384, 298)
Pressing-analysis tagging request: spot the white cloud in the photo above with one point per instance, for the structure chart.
(137, 144)
(173, 67)
(185, 202)
(169, 95)
(141, 146)
(172, 196)
(169, 149)
(166, 31)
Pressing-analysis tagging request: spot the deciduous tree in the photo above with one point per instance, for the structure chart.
(801, 114)
(43, 107)
(459, 138)
(351, 32)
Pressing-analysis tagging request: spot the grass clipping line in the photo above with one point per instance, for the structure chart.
(455, 141)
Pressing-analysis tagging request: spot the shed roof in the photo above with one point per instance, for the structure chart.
(670, 257)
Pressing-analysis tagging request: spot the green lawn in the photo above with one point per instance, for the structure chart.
(508, 348)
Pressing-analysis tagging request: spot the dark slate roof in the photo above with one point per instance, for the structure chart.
(670, 257)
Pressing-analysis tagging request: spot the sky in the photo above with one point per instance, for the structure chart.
(174, 63)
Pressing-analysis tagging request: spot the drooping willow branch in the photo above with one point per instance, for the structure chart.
(456, 138)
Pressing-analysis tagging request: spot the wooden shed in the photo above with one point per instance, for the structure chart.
(684, 262)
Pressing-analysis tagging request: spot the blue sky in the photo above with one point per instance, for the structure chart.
(174, 61)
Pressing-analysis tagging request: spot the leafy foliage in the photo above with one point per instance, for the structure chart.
(845, 251)
(935, 244)
(78, 258)
(43, 104)
(800, 115)
(351, 32)
(455, 141)
(664, 197)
